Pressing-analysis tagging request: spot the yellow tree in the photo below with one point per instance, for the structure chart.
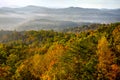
(106, 67)
(116, 36)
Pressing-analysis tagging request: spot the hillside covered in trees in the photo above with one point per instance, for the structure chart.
(74, 54)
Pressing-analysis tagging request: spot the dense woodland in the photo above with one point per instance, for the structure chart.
(73, 54)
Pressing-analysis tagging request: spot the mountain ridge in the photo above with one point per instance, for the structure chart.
(12, 17)
(59, 8)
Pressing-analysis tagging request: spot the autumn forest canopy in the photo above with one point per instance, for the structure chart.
(78, 53)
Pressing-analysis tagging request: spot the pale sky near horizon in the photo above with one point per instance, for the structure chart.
(110, 4)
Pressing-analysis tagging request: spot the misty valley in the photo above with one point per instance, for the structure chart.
(37, 18)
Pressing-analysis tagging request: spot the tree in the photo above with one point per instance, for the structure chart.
(106, 57)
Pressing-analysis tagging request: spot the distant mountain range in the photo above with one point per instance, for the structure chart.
(36, 17)
(69, 10)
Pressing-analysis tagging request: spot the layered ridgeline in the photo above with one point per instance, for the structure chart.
(36, 18)
(72, 55)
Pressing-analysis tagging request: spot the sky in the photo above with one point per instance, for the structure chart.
(109, 4)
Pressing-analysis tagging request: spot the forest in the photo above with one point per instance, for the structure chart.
(79, 53)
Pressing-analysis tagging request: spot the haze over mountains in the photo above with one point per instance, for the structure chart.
(35, 17)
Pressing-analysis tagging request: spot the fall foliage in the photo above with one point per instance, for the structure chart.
(73, 54)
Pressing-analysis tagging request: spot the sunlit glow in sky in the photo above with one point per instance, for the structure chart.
(110, 4)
